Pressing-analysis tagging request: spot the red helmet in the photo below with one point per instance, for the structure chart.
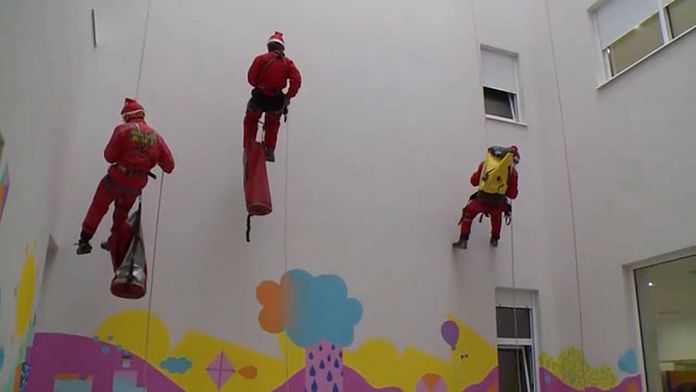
(515, 154)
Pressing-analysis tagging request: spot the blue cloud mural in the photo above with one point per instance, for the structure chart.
(320, 309)
(176, 364)
(628, 362)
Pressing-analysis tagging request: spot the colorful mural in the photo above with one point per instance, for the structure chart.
(313, 319)
(628, 362)
(24, 293)
(90, 360)
(551, 383)
(25, 320)
(571, 372)
(317, 315)
(472, 360)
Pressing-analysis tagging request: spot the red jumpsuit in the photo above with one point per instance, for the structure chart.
(477, 206)
(133, 150)
(268, 75)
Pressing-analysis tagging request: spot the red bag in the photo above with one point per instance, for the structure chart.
(128, 258)
(256, 189)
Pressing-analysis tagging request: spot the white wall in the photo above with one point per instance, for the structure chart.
(383, 137)
(42, 45)
(629, 146)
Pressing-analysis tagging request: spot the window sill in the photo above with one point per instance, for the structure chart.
(505, 120)
(646, 57)
(512, 342)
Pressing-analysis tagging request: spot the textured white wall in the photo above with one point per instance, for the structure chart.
(383, 137)
(630, 157)
(43, 45)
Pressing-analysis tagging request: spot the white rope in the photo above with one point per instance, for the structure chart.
(570, 185)
(285, 231)
(159, 204)
(142, 48)
(152, 276)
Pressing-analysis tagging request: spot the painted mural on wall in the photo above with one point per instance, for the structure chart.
(571, 372)
(24, 294)
(313, 319)
(317, 315)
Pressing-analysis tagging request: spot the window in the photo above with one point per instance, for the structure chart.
(515, 331)
(665, 295)
(629, 30)
(499, 79)
(681, 15)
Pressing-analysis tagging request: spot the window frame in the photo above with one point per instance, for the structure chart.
(530, 364)
(668, 22)
(666, 35)
(514, 97)
(629, 272)
(512, 102)
(521, 299)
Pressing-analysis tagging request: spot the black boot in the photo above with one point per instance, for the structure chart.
(494, 241)
(462, 243)
(83, 245)
(270, 155)
(104, 245)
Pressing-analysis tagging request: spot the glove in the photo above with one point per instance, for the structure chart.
(286, 101)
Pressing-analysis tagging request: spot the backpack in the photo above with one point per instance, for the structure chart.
(496, 169)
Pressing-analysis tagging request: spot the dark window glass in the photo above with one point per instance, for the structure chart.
(499, 103)
(513, 322)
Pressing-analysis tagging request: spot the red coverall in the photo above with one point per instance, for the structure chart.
(268, 75)
(127, 175)
(477, 206)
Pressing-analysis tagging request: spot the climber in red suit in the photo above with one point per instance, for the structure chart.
(133, 150)
(493, 208)
(268, 75)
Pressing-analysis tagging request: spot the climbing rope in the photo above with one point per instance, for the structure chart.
(285, 229)
(512, 237)
(142, 48)
(151, 274)
(570, 185)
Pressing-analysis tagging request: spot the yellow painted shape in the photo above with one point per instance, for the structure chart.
(573, 369)
(380, 362)
(25, 293)
(479, 357)
(201, 349)
(128, 329)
